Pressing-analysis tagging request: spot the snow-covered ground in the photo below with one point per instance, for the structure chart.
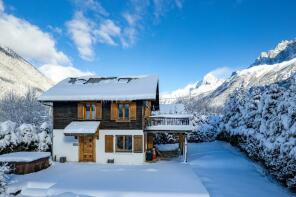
(215, 169)
(225, 172)
(164, 179)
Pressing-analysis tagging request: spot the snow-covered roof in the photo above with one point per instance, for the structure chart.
(23, 156)
(103, 88)
(82, 127)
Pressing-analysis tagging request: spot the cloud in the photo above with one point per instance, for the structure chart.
(134, 17)
(29, 40)
(130, 18)
(58, 72)
(223, 72)
(32, 43)
(138, 12)
(108, 32)
(163, 6)
(179, 3)
(55, 29)
(91, 5)
(80, 29)
(92, 24)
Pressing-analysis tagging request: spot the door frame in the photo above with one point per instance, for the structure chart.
(80, 154)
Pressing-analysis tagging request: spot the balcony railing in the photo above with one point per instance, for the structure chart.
(169, 123)
(156, 121)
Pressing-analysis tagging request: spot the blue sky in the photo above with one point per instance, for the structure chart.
(179, 40)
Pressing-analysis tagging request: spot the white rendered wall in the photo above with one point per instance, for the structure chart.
(119, 158)
(66, 146)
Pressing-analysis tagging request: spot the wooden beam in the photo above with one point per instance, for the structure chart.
(181, 142)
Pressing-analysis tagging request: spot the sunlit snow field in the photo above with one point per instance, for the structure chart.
(226, 172)
(164, 179)
(215, 169)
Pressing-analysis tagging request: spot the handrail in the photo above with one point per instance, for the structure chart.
(155, 121)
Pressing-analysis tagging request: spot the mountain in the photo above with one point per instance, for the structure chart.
(197, 89)
(284, 51)
(254, 76)
(16, 74)
(271, 66)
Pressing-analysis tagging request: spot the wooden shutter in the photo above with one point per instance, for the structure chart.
(109, 143)
(99, 111)
(114, 111)
(133, 110)
(150, 141)
(80, 111)
(138, 143)
(147, 109)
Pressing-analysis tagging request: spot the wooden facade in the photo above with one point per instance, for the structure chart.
(66, 112)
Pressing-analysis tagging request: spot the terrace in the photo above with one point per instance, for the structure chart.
(169, 123)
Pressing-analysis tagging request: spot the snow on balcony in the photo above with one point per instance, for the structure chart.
(170, 117)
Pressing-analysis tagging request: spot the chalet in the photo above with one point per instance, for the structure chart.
(108, 119)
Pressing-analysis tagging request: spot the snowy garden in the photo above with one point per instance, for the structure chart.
(24, 126)
(260, 121)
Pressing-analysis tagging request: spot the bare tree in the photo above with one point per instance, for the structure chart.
(23, 109)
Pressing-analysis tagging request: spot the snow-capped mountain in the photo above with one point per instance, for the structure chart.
(197, 89)
(254, 76)
(271, 66)
(284, 51)
(16, 74)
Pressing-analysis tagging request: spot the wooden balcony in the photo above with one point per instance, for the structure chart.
(168, 122)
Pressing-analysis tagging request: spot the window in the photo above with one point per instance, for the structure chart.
(123, 111)
(124, 143)
(89, 111)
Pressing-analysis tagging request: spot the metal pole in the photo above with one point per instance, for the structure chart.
(185, 149)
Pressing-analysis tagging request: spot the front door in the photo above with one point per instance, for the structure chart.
(87, 148)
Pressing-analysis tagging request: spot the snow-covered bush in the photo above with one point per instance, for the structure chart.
(205, 128)
(28, 134)
(4, 169)
(24, 137)
(262, 122)
(8, 136)
(24, 123)
(44, 137)
(166, 138)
